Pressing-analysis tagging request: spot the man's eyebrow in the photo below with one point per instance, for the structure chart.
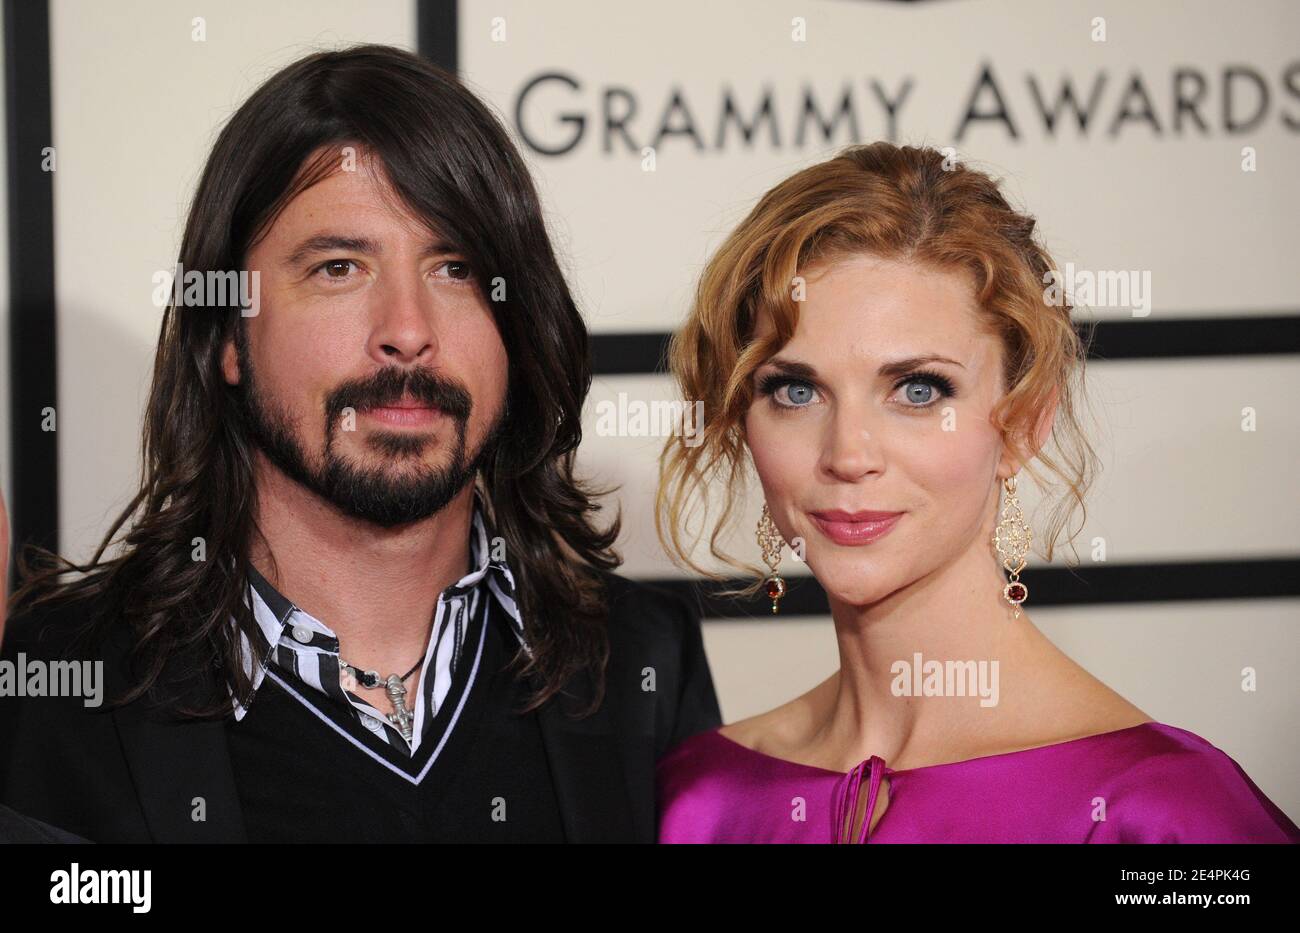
(800, 370)
(333, 242)
(330, 242)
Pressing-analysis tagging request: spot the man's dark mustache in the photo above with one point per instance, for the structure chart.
(388, 386)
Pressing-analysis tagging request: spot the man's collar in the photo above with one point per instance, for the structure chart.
(500, 580)
(272, 609)
(280, 607)
(481, 549)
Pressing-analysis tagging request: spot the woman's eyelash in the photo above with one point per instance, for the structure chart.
(938, 380)
(770, 384)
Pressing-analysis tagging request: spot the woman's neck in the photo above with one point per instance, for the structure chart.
(937, 666)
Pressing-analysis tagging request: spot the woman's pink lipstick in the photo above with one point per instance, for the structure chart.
(852, 528)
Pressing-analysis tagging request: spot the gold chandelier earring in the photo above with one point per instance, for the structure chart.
(1011, 539)
(770, 540)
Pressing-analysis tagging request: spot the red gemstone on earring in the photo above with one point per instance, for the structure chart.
(775, 588)
(1016, 592)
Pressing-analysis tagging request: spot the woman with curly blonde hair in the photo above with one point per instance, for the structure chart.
(879, 340)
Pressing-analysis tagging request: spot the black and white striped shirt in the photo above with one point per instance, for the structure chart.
(304, 651)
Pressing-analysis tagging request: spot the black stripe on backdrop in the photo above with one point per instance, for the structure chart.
(33, 373)
(437, 32)
(643, 352)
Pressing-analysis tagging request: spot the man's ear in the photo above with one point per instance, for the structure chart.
(230, 360)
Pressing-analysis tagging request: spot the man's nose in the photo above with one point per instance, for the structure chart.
(405, 329)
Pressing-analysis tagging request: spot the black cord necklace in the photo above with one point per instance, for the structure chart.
(371, 679)
(401, 717)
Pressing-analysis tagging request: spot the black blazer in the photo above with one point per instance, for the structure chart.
(131, 774)
(16, 828)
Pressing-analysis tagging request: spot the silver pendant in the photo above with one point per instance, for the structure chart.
(401, 717)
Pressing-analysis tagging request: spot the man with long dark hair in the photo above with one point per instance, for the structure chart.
(359, 595)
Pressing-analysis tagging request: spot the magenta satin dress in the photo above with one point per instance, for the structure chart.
(1152, 782)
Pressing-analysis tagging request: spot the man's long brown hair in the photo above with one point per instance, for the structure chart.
(452, 163)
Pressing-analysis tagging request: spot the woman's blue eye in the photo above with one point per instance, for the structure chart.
(787, 393)
(919, 392)
(798, 393)
(921, 389)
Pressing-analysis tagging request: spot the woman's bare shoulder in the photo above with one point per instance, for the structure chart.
(1082, 704)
